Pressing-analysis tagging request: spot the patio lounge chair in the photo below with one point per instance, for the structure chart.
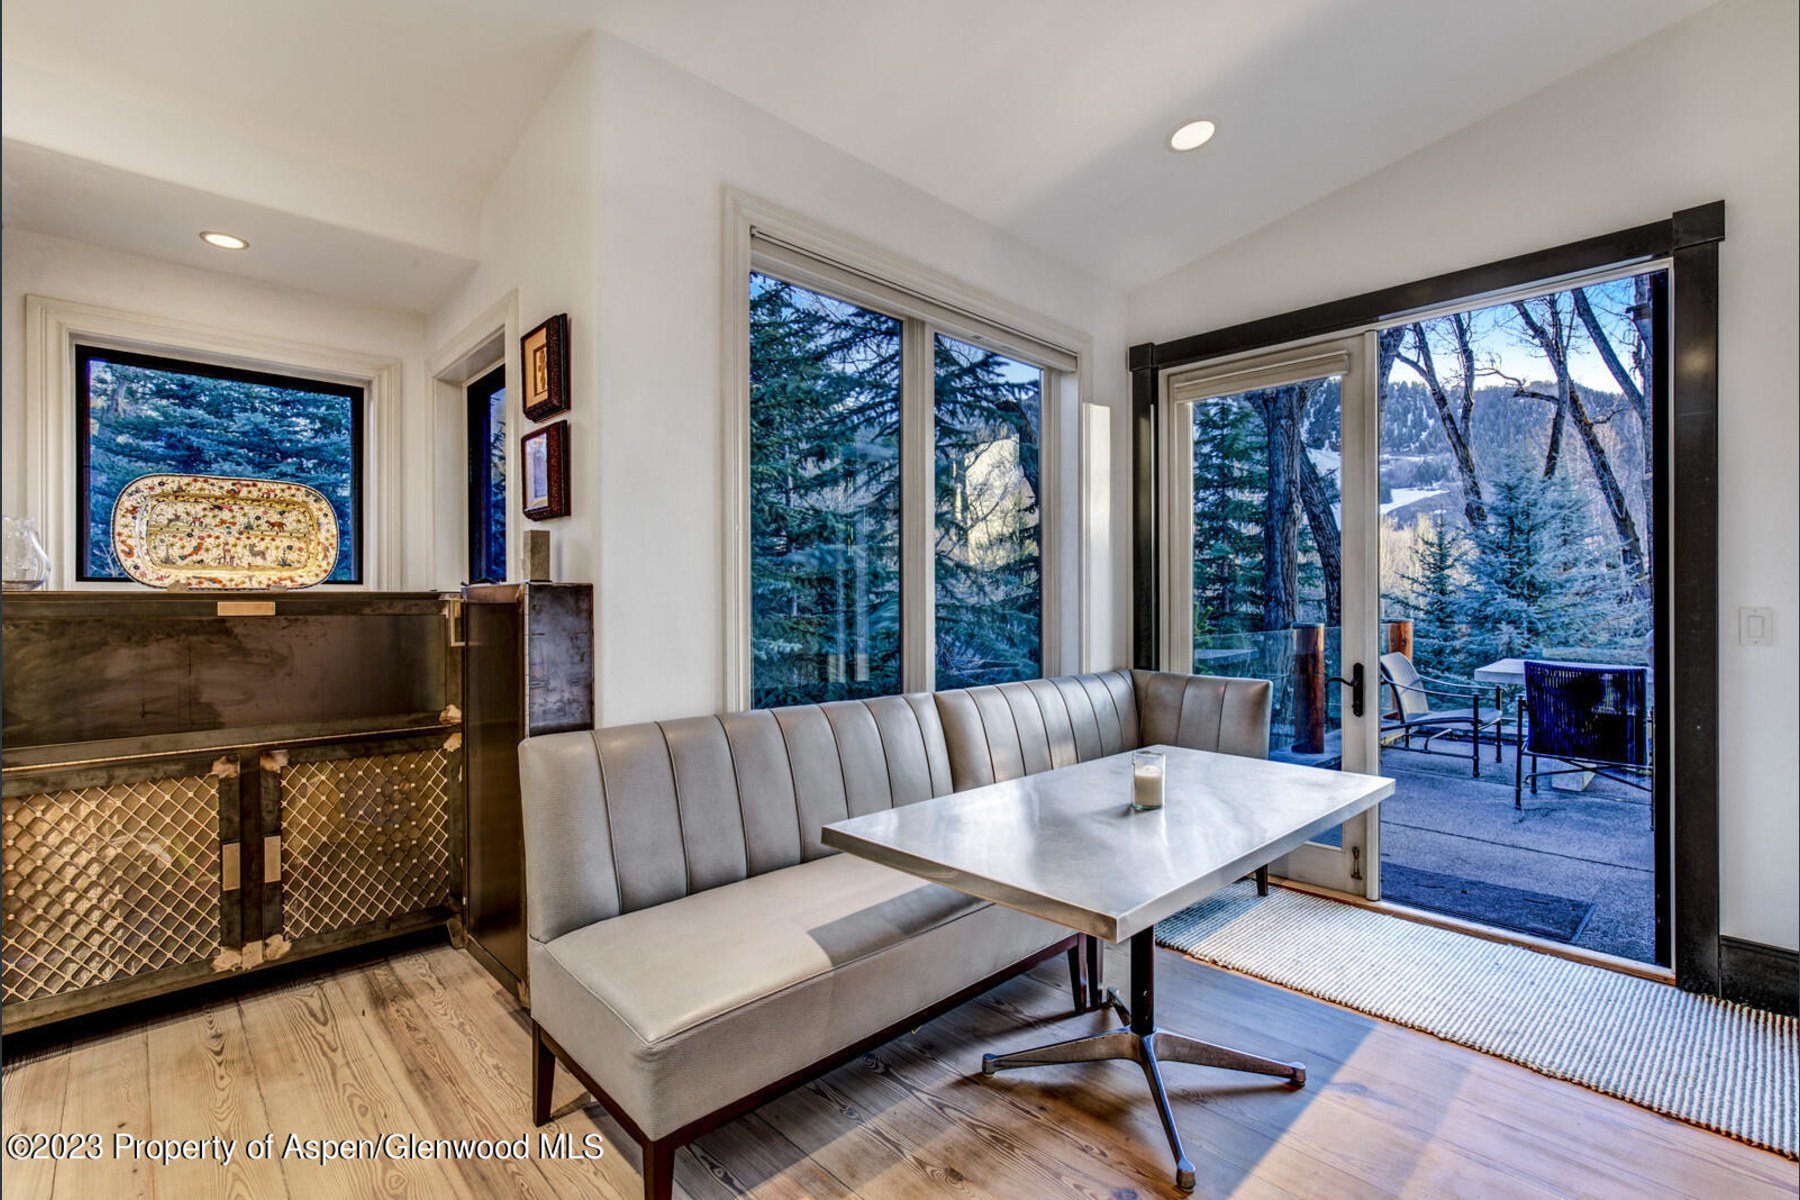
(1412, 714)
(1590, 718)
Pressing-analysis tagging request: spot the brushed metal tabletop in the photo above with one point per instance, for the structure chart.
(1066, 846)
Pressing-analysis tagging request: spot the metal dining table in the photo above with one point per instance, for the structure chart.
(1066, 846)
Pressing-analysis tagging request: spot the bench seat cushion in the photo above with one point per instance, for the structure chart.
(682, 1008)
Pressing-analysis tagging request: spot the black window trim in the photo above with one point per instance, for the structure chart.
(481, 479)
(86, 352)
(1687, 660)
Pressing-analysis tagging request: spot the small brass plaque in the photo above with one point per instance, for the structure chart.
(272, 859)
(246, 608)
(229, 868)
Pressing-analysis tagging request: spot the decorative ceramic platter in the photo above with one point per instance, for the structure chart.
(217, 533)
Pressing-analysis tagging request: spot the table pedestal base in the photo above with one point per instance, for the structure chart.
(1140, 1041)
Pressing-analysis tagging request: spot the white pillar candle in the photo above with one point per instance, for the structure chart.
(1146, 781)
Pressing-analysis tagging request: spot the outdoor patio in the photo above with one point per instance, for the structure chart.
(1572, 866)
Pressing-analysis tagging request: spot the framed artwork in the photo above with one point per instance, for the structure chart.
(544, 454)
(544, 353)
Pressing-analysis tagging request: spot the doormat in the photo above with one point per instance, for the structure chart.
(1725, 1067)
(1558, 918)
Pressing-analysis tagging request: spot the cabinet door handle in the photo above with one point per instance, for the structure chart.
(230, 868)
(272, 858)
(453, 614)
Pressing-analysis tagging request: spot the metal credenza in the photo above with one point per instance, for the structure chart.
(528, 663)
(195, 786)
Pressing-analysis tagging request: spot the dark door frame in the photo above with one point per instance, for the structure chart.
(1687, 555)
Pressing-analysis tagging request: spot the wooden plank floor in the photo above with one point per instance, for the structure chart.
(424, 1041)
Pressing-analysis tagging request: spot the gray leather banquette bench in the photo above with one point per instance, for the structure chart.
(696, 950)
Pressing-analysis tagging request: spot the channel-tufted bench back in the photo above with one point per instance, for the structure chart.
(633, 816)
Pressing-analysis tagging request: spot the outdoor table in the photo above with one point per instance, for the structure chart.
(1066, 846)
(1510, 673)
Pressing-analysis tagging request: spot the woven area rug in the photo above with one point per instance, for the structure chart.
(1722, 1066)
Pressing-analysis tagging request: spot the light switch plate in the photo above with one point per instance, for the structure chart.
(1756, 627)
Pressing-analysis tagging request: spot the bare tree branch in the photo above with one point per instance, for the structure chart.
(1552, 335)
(1456, 432)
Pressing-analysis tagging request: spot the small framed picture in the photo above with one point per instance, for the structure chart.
(544, 454)
(545, 355)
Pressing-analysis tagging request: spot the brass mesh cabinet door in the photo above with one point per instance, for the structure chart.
(367, 841)
(114, 883)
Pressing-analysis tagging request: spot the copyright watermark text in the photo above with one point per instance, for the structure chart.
(292, 1147)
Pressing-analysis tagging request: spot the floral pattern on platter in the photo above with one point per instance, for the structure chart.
(215, 533)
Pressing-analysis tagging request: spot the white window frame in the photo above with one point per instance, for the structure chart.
(765, 238)
(53, 328)
(487, 340)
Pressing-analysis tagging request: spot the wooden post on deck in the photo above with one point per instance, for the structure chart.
(1399, 639)
(1309, 689)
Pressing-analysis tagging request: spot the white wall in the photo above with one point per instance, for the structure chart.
(538, 235)
(1701, 111)
(669, 144)
(34, 264)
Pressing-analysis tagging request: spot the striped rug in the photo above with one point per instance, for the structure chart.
(1722, 1066)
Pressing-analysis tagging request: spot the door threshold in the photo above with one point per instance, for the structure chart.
(1592, 958)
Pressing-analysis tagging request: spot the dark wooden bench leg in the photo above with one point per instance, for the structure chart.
(1076, 983)
(1262, 881)
(659, 1170)
(543, 1075)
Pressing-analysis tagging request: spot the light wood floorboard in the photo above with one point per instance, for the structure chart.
(425, 1041)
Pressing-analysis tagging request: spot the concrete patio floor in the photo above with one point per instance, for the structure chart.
(1594, 845)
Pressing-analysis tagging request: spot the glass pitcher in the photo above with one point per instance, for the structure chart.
(24, 565)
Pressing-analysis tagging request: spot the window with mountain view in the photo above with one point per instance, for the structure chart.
(140, 414)
(988, 572)
(1517, 476)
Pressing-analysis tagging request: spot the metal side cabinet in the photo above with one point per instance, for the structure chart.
(528, 668)
(196, 786)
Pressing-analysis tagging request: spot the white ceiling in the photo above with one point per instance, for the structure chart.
(87, 201)
(386, 120)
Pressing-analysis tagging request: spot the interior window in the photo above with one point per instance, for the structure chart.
(140, 414)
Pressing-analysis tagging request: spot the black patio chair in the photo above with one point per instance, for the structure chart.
(1592, 718)
(1412, 714)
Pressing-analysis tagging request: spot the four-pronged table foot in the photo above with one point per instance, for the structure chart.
(1142, 1042)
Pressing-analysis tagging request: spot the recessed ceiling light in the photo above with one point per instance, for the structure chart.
(224, 241)
(1192, 135)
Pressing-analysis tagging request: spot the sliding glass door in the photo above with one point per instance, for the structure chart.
(1270, 564)
(1519, 525)
(1461, 506)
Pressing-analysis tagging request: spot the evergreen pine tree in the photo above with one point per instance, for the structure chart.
(1433, 596)
(989, 581)
(824, 497)
(1230, 478)
(1539, 577)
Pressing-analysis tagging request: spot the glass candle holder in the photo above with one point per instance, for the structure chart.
(1147, 769)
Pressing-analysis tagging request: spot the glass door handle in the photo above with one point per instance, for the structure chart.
(1355, 684)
